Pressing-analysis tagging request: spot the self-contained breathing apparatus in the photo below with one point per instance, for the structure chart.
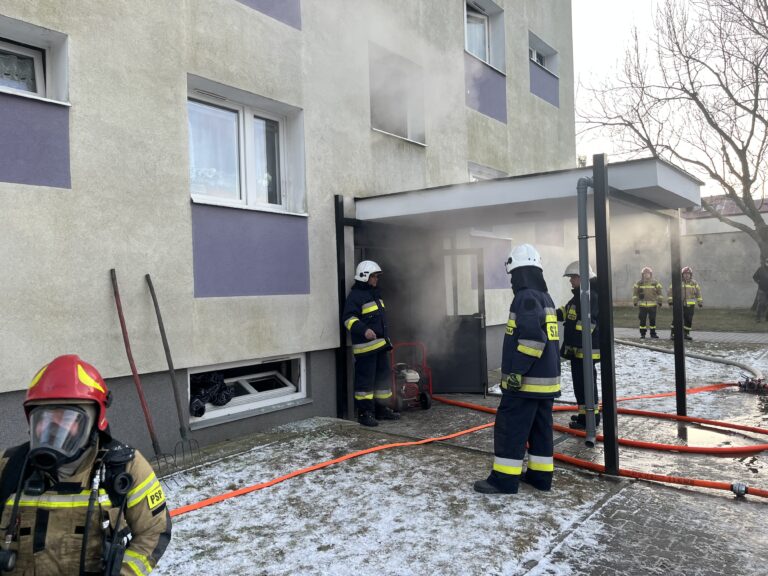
(25, 474)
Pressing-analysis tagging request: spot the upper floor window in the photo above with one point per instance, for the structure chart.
(484, 32)
(397, 95)
(241, 154)
(543, 54)
(33, 60)
(21, 68)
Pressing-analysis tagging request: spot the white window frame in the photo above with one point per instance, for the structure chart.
(257, 402)
(248, 195)
(38, 57)
(537, 48)
(473, 13)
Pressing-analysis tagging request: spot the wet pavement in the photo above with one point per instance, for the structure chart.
(412, 510)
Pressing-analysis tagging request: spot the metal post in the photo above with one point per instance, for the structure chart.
(677, 315)
(342, 384)
(607, 362)
(586, 311)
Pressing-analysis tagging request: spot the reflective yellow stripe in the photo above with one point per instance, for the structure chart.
(579, 353)
(370, 309)
(139, 492)
(37, 377)
(508, 466)
(143, 568)
(512, 323)
(550, 318)
(367, 347)
(85, 378)
(63, 500)
(134, 567)
(351, 320)
(364, 396)
(541, 466)
(540, 385)
(529, 351)
(647, 304)
(383, 395)
(139, 497)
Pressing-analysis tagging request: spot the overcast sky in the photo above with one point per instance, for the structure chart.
(601, 33)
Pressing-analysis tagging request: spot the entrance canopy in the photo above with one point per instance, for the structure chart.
(651, 182)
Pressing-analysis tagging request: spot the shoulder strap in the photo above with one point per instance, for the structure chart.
(9, 479)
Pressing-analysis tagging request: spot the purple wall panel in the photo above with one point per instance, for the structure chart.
(248, 253)
(34, 142)
(287, 11)
(544, 84)
(486, 88)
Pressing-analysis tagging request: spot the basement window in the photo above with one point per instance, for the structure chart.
(228, 392)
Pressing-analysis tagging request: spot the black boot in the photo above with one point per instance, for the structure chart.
(642, 334)
(654, 335)
(367, 419)
(687, 337)
(386, 413)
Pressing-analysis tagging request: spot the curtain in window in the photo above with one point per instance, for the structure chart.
(214, 161)
(17, 72)
(477, 36)
(266, 159)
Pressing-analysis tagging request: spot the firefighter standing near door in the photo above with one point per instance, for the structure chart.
(648, 295)
(570, 316)
(530, 381)
(75, 501)
(364, 316)
(691, 298)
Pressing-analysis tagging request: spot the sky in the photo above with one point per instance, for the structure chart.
(601, 33)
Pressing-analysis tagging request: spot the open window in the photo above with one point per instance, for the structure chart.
(484, 32)
(220, 394)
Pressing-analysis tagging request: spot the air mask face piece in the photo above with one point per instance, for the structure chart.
(59, 433)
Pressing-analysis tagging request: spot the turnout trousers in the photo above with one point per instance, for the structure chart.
(577, 374)
(520, 420)
(373, 381)
(647, 317)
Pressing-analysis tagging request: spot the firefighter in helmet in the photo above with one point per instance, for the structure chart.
(73, 500)
(572, 349)
(647, 294)
(364, 317)
(530, 381)
(691, 298)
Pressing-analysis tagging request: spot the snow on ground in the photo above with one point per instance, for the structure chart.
(412, 510)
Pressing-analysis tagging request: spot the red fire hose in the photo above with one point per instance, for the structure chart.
(737, 488)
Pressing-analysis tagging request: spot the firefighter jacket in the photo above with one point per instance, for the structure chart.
(691, 293)
(364, 309)
(52, 524)
(647, 294)
(570, 316)
(761, 277)
(530, 348)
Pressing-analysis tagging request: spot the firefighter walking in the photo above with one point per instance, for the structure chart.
(691, 298)
(364, 316)
(74, 500)
(572, 350)
(530, 381)
(647, 295)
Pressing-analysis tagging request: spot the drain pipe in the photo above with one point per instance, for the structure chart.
(586, 319)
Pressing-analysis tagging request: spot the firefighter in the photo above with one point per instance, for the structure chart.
(647, 294)
(365, 318)
(691, 298)
(572, 350)
(73, 500)
(530, 381)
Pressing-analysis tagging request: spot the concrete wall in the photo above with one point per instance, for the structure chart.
(126, 204)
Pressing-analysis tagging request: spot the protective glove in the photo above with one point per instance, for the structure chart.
(512, 382)
(701, 305)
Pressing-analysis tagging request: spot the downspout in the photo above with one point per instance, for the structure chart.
(586, 314)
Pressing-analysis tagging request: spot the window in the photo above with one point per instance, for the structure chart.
(397, 95)
(477, 34)
(21, 68)
(245, 151)
(478, 172)
(543, 54)
(484, 32)
(240, 390)
(33, 60)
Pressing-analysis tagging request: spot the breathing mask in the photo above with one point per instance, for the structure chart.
(59, 434)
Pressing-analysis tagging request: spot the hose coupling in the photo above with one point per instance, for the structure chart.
(739, 488)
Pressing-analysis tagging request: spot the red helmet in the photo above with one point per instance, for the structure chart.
(686, 270)
(68, 378)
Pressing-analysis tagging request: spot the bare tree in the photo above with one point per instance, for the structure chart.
(697, 95)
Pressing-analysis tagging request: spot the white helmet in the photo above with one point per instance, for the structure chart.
(523, 255)
(573, 270)
(365, 269)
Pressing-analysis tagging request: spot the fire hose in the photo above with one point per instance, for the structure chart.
(737, 488)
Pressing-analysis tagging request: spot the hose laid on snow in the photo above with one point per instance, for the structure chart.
(754, 371)
(737, 487)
